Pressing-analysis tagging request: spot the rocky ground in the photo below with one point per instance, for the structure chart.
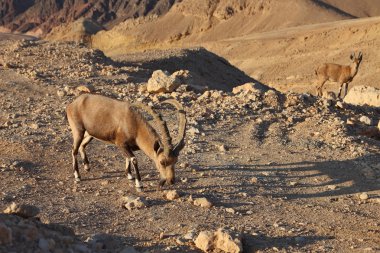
(287, 172)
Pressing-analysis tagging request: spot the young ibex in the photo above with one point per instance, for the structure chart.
(119, 123)
(338, 73)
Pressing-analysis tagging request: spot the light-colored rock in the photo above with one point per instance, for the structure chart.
(205, 241)
(5, 234)
(88, 88)
(366, 120)
(172, 195)
(228, 241)
(25, 211)
(163, 82)
(363, 95)
(133, 202)
(247, 88)
(364, 196)
(203, 202)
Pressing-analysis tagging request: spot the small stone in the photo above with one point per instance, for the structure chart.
(222, 148)
(132, 202)
(202, 202)
(331, 187)
(230, 210)
(172, 195)
(61, 93)
(34, 126)
(190, 235)
(340, 105)
(254, 180)
(205, 241)
(293, 183)
(366, 120)
(364, 196)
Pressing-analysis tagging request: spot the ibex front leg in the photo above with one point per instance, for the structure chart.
(132, 162)
(86, 140)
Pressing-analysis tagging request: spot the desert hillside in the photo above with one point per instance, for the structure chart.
(40, 16)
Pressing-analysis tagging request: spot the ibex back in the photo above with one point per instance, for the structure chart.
(119, 123)
(338, 73)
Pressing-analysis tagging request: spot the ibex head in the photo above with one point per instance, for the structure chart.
(166, 154)
(358, 59)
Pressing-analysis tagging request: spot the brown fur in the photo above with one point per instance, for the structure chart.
(118, 123)
(343, 74)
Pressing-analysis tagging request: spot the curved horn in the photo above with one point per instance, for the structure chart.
(161, 125)
(180, 142)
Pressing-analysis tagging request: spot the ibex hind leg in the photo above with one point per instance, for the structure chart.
(86, 140)
(78, 137)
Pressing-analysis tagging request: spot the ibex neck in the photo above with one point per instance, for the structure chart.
(145, 139)
(354, 68)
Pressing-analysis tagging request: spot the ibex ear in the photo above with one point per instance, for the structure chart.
(352, 56)
(157, 147)
(360, 56)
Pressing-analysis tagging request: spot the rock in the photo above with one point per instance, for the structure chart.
(364, 196)
(222, 148)
(202, 202)
(5, 234)
(366, 120)
(205, 241)
(331, 187)
(87, 88)
(205, 95)
(25, 211)
(228, 241)
(190, 235)
(61, 93)
(363, 95)
(129, 249)
(248, 88)
(254, 180)
(133, 202)
(378, 125)
(230, 210)
(162, 82)
(172, 195)
(340, 105)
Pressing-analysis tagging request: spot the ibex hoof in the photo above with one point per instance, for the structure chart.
(139, 189)
(77, 180)
(130, 177)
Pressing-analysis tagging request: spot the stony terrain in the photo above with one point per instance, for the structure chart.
(288, 172)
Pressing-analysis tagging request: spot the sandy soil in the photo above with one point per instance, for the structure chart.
(285, 171)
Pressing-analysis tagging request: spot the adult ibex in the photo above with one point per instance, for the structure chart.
(338, 73)
(119, 123)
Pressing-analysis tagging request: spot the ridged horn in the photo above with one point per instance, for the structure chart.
(180, 142)
(161, 125)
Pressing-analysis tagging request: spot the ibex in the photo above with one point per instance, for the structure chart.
(119, 123)
(338, 73)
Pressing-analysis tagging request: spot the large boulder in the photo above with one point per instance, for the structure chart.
(363, 95)
(161, 81)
